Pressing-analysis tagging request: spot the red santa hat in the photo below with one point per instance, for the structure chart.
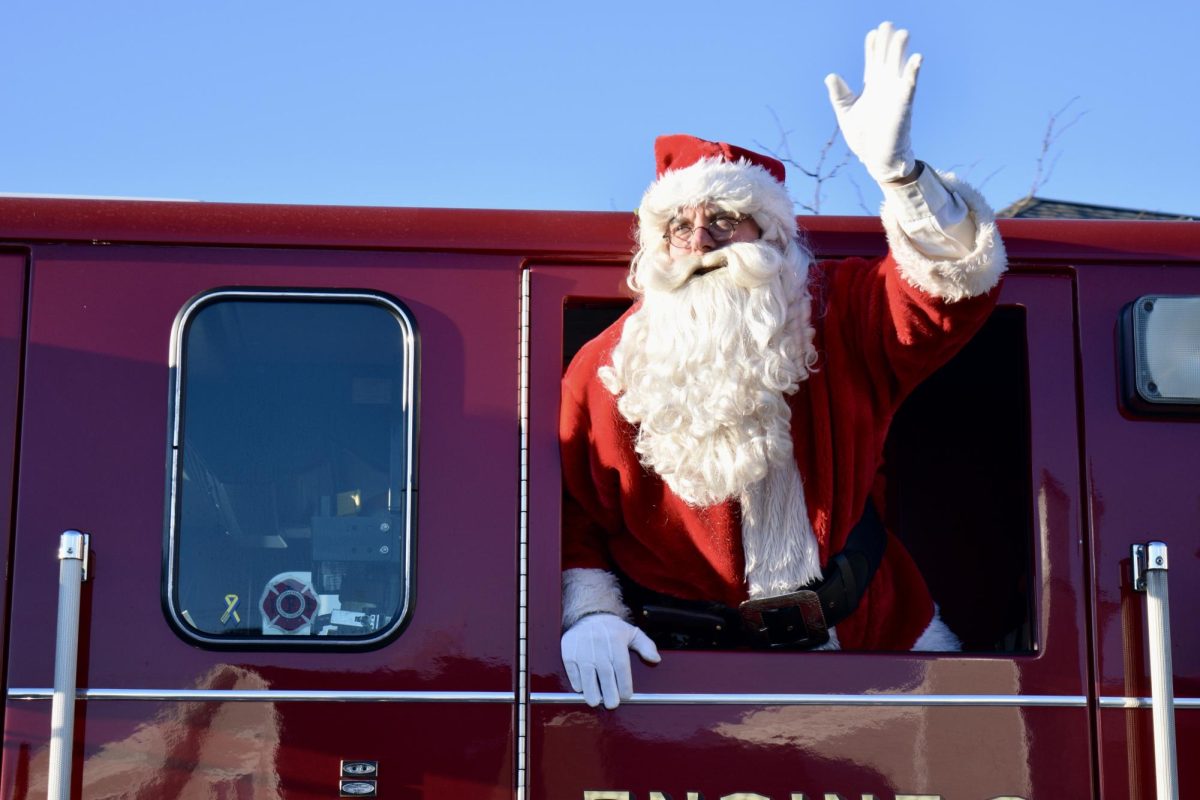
(695, 172)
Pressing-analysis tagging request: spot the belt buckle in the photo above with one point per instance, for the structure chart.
(795, 619)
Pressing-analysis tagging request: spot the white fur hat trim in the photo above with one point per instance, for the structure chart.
(737, 186)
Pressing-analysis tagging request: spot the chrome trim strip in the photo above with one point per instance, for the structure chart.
(1146, 702)
(269, 696)
(522, 755)
(175, 357)
(682, 698)
(570, 698)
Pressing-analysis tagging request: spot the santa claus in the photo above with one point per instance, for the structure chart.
(720, 441)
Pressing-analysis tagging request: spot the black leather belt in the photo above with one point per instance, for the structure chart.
(797, 620)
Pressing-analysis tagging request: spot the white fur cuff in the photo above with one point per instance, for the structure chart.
(952, 279)
(590, 591)
(937, 638)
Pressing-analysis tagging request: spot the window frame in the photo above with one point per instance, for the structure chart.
(409, 398)
(1051, 674)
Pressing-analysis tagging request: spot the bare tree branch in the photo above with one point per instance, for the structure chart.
(862, 204)
(958, 165)
(990, 175)
(820, 174)
(971, 168)
(1054, 131)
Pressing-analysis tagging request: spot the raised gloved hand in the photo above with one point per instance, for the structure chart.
(876, 123)
(595, 651)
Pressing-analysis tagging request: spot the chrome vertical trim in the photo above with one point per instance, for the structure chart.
(72, 572)
(1149, 563)
(523, 539)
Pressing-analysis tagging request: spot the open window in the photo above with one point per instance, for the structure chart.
(290, 488)
(961, 504)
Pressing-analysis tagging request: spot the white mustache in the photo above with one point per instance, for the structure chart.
(751, 264)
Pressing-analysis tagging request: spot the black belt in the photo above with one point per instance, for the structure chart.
(798, 620)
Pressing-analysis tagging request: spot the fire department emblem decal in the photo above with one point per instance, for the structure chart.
(288, 607)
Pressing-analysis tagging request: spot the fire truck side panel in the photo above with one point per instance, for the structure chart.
(814, 718)
(1142, 481)
(266, 750)
(96, 431)
(780, 752)
(1053, 707)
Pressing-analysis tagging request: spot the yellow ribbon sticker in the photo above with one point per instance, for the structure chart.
(231, 602)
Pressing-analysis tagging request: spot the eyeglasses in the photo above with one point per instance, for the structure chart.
(720, 229)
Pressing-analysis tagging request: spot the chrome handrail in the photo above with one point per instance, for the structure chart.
(1150, 576)
(72, 572)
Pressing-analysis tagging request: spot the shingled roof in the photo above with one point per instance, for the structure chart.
(1044, 208)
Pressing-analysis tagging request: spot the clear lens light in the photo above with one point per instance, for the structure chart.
(1167, 343)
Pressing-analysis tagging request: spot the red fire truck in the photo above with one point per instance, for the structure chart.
(279, 518)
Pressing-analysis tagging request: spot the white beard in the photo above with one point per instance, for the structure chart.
(702, 369)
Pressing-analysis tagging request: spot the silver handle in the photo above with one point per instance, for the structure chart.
(1150, 576)
(72, 572)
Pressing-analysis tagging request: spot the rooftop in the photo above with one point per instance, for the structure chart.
(1045, 208)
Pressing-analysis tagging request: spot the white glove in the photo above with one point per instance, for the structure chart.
(876, 123)
(595, 651)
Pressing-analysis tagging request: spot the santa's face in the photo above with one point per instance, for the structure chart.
(700, 230)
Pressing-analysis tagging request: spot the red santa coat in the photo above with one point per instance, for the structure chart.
(877, 337)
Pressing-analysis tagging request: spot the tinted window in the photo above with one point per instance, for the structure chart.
(290, 492)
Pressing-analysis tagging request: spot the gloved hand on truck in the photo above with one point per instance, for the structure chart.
(595, 651)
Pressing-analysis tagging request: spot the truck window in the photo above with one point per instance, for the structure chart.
(960, 504)
(963, 505)
(290, 469)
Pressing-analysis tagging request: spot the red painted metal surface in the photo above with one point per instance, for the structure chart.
(265, 750)
(95, 428)
(1141, 477)
(95, 425)
(557, 234)
(956, 754)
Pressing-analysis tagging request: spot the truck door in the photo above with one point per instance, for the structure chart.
(1008, 718)
(296, 469)
(1141, 475)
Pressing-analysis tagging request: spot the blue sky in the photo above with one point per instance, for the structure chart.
(555, 105)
